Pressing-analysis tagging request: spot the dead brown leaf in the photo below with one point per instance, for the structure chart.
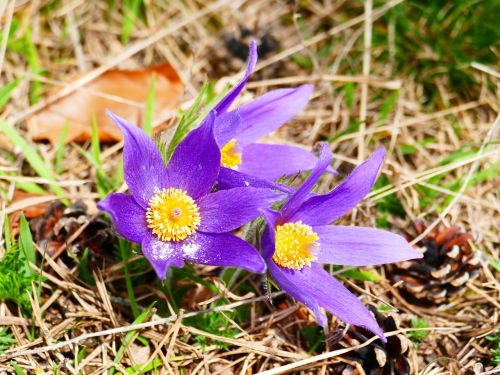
(31, 212)
(122, 91)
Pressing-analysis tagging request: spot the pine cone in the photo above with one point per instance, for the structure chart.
(59, 223)
(237, 43)
(448, 263)
(377, 358)
(230, 54)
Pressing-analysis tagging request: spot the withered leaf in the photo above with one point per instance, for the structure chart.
(122, 91)
(31, 211)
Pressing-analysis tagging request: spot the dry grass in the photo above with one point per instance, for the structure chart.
(76, 328)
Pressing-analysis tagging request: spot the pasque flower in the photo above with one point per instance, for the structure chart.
(237, 130)
(298, 240)
(171, 211)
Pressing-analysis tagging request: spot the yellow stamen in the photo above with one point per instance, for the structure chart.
(172, 215)
(295, 245)
(230, 155)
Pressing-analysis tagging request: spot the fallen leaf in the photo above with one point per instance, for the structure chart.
(72, 227)
(34, 209)
(30, 210)
(124, 92)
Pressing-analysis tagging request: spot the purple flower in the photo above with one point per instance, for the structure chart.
(299, 239)
(237, 131)
(172, 212)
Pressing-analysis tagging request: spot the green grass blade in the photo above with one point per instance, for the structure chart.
(421, 335)
(26, 244)
(356, 274)
(27, 186)
(150, 107)
(17, 369)
(186, 122)
(304, 62)
(30, 154)
(349, 92)
(6, 339)
(61, 147)
(103, 183)
(494, 264)
(30, 187)
(131, 12)
(83, 268)
(118, 177)
(387, 106)
(143, 369)
(125, 251)
(95, 143)
(7, 90)
(203, 103)
(32, 56)
(128, 337)
(6, 233)
(168, 290)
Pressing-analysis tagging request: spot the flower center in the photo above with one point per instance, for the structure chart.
(231, 155)
(172, 215)
(296, 244)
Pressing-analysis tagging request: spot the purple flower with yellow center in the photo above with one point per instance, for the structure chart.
(298, 240)
(237, 131)
(171, 210)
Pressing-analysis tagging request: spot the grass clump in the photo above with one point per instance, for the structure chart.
(16, 275)
(495, 349)
(438, 40)
(16, 278)
(6, 339)
(419, 335)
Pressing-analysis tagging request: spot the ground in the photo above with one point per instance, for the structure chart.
(419, 78)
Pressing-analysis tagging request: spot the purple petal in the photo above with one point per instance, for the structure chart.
(143, 165)
(274, 161)
(297, 198)
(271, 218)
(359, 246)
(269, 235)
(268, 249)
(229, 178)
(226, 125)
(128, 217)
(315, 284)
(222, 249)
(263, 115)
(324, 209)
(195, 163)
(161, 255)
(284, 282)
(226, 102)
(227, 210)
